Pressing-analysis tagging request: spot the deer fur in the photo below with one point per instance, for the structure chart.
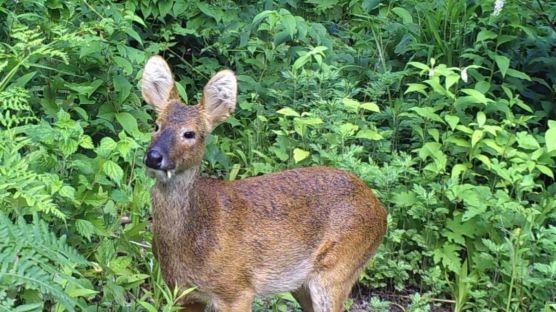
(309, 231)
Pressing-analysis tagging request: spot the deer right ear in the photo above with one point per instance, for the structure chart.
(157, 83)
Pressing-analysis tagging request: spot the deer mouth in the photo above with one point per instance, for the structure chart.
(162, 175)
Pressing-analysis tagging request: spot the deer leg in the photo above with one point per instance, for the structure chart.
(303, 297)
(242, 303)
(328, 292)
(193, 306)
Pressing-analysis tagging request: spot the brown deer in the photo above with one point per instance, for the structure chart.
(309, 231)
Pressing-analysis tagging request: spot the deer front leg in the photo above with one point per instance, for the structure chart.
(193, 306)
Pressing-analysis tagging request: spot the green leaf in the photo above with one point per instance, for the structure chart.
(67, 191)
(428, 113)
(503, 63)
(85, 228)
(113, 170)
(351, 104)
(517, 74)
(289, 24)
(527, 141)
(457, 170)
(299, 154)
(122, 86)
(107, 145)
(81, 292)
(133, 34)
(476, 137)
(164, 7)
(419, 65)
(452, 121)
(124, 64)
(550, 139)
(286, 111)
(370, 106)
(86, 142)
(416, 87)
(545, 170)
(448, 256)
(477, 96)
(481, 118)
(128, 122)
(369, 5)
(486, 35)
(369, 135)
(404, 14)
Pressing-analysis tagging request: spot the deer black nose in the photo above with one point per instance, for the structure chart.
(154, 159)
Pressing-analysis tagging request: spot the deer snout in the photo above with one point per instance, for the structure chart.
(154, 159)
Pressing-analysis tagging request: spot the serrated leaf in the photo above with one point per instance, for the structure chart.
(86, 142)
(107, 145)
(67, 192)
(299, 154)
(113, 170)
(85, 228)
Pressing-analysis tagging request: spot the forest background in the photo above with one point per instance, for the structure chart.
(446, 108)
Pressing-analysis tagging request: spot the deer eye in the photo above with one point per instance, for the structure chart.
(189, 135)
(156, 127)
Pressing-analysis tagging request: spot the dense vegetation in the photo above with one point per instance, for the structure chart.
(446, 108)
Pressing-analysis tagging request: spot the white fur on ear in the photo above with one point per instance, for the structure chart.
(157, 83)
(219, 97)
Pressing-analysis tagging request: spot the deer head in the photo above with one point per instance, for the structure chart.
(178, 141)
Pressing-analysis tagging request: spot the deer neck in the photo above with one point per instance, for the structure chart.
(174, 200)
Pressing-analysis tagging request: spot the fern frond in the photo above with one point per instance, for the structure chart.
(32, 257)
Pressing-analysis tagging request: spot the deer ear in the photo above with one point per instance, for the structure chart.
(219, 97)
(157, 83)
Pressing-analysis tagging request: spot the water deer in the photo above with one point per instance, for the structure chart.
(309, 231)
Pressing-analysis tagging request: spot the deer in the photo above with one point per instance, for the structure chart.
(309, 231)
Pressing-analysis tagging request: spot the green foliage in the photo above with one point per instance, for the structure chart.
(39, 265)
(443, 107)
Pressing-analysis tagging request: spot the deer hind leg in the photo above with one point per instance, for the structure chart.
(329, 291)
(303, 297)
(330, 285)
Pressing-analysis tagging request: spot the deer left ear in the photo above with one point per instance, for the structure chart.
(219, 97)
(157, 83)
